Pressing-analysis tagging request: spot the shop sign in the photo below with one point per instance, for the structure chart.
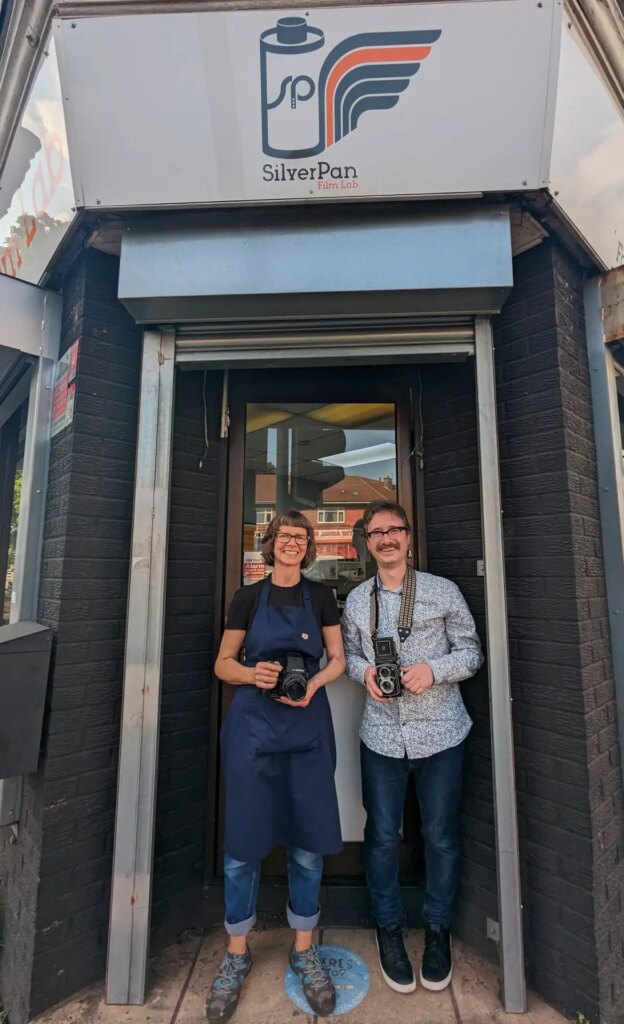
(311, 103)
(64, 390)
(36, 193)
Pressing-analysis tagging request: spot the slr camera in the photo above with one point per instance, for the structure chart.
(387, 665)
(292, 682)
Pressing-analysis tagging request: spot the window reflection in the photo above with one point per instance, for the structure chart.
(12, 438)
(329, 461)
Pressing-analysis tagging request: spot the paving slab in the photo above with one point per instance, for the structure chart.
(264, 999)
(382, 1004)
(476, 988)
(168, 975)
(181, 977)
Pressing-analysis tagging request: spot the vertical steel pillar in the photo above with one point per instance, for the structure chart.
(128, 945)
(507, 854)
(610, 481)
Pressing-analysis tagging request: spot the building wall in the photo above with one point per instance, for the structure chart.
(56, 879)
(453, 520)
(182, 799)
(567, 756)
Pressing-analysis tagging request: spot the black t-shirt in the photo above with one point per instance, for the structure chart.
(245, 602)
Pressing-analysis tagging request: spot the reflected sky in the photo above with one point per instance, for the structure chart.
(587, 168)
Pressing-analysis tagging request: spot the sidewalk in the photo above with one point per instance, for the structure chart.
(181, 977)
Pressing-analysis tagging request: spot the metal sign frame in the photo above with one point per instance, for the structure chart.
(133, 856)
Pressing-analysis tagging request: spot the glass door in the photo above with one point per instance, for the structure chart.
(326, 447)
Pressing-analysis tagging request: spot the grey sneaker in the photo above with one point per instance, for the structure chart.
(226, 988)
(318, 988)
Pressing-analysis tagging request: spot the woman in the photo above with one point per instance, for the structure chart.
(279, 757)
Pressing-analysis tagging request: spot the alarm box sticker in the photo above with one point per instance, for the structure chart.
(312, 99)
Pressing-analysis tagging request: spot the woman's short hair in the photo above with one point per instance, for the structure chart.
(292, 518)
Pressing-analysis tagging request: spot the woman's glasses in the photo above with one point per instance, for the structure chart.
(394, 532)
(298, 538)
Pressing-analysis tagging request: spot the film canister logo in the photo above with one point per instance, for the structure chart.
(310, 101)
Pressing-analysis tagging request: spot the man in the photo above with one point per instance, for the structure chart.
(419, 733)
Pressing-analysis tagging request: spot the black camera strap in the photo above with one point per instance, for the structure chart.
(406, 613)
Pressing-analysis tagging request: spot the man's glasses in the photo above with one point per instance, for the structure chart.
(299, 540)
(394, 532)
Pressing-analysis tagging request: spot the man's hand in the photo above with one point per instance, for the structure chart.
(265, 674)
(417, 678)
(370, 681)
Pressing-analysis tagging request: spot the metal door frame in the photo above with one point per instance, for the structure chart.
(133, 856)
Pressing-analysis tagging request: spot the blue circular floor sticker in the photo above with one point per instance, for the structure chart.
(349, 974)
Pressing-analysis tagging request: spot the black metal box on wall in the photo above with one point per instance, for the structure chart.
(25, 649)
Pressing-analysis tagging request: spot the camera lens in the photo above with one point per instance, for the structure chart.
(295, 690)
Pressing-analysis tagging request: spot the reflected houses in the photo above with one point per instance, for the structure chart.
(337, 522)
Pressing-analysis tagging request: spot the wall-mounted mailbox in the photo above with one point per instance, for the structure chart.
(25, 649)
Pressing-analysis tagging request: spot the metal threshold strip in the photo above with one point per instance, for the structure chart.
(327, 346)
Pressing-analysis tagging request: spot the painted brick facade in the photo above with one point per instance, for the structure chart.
(567, 756)
(56, 880)
(182, 801)
(453, 517)
(57, 877)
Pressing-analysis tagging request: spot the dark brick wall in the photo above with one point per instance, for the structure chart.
(569, 789)
(605, 795)
(182, 784)
(55, 931)
(567, 755)
(453, 518)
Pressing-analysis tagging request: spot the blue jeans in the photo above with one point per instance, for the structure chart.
(242, 881)
(438, 788)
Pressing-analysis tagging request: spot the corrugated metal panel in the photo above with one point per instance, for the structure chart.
(328, 346)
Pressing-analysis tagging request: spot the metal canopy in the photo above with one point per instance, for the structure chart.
(315, 263)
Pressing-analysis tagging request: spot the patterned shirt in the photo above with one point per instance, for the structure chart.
(444, 637)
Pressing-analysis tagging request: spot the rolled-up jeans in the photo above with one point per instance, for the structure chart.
(242, 881)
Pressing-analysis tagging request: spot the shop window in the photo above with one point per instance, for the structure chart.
(12, 436)
(328, 461)
(330, 515)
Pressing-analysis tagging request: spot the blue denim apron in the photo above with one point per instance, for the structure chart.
(279, 761)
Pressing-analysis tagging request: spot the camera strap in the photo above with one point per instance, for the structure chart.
(406, 613)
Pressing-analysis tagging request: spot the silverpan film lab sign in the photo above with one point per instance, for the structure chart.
(389, 100)
(312, 99)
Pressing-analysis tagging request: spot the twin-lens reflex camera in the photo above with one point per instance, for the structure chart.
(387, 665)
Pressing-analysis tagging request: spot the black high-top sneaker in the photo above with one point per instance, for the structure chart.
(394, 961)
(437, 963)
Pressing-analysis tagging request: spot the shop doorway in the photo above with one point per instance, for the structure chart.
(325, 442)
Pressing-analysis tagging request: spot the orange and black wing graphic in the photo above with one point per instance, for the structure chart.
(367, 72)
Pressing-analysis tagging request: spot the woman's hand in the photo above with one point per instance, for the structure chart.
(313, 686)
(265, 674)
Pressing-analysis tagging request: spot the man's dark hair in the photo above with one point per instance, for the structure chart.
(384, 506)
